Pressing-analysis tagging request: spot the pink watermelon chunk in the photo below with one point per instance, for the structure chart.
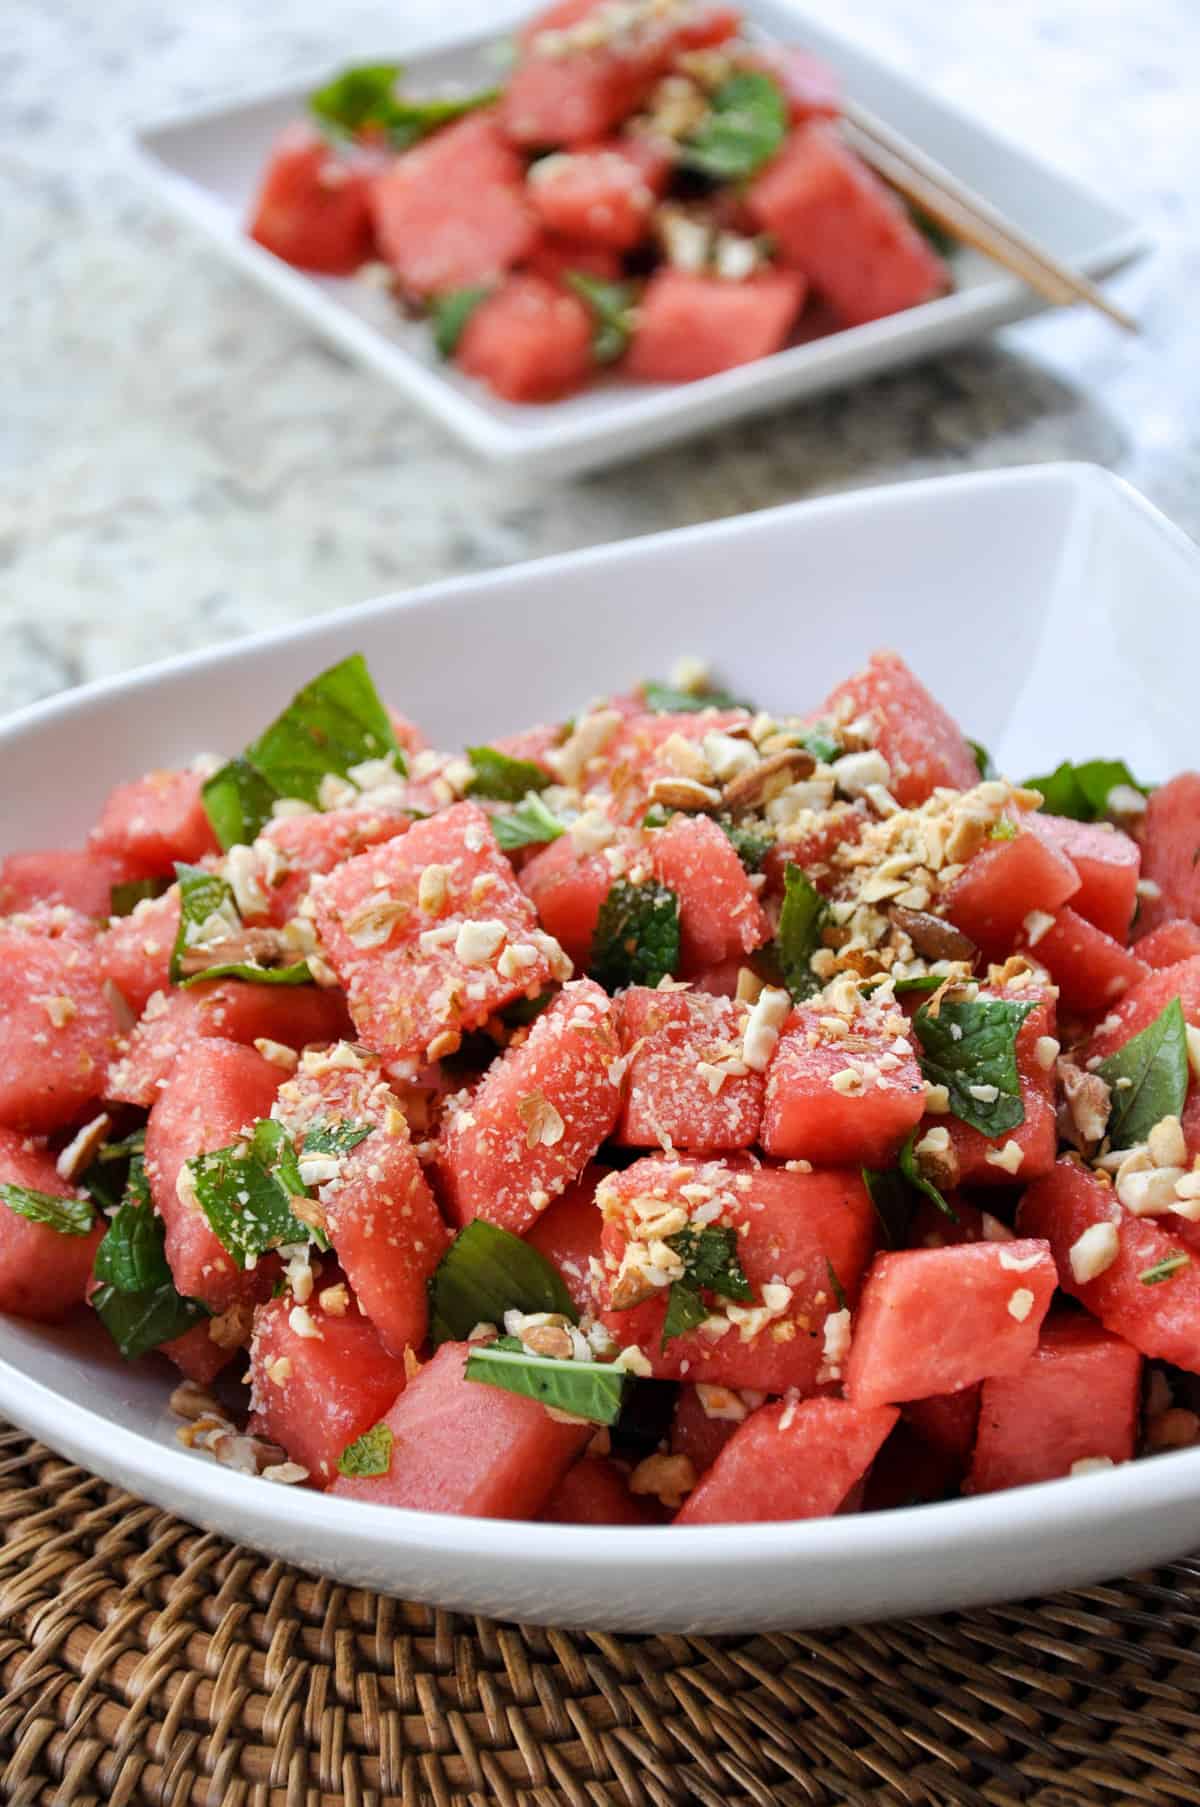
(313, 208)
(567, 1233)
(792, 1229)
(80, 881)
(833, 219)
(1005, 883)
(154, 822)
(719, 913)
(554, 258)
(809, 1117)
(460, 1446)
(699, 1436)
(947, 1422)
(1169, 944)
(452, 212)
(567, 888)
(228, 1008)
(677, 1093)
(938, 1320)
(415, 973)
(600, 196)
(537, 1117)
(314, 1395)
(1145, 1001)
(1161, 1319)
(922, 744)
(1107, 863)
(197, 1355)
(530, 341)
(1090, 969)
(312, 845)
(1074, 1400)
(692, 326)
(43, 1272)
(59, 1030)
(135, 951)
(789, 1460)
(379, 1213)
(1169, 836)
(596, 1492)
(218, 1088)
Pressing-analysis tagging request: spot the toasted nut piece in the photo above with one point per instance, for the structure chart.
(749, 789)
(933, 937)
(633, 1288)
(1087, 1104)
(684, 793)
(549, 1339)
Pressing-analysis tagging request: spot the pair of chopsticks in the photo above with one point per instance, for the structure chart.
(965, 214)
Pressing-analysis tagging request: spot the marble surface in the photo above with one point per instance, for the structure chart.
(181, 462)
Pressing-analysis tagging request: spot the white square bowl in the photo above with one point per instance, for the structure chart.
(207, 166)
(1050, 608)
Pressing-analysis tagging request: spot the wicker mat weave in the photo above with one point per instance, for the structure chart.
(144, 1662)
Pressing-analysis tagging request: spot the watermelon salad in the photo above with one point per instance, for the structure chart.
(680, 1112)
(647, 191)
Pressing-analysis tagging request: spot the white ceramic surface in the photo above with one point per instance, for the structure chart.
(207, 166)
(1054, 612)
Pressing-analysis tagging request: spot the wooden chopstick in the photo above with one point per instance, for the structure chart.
(965, 213)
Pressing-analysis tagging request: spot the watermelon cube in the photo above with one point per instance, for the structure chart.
(596, 1492)
(1107, 863)
(814, 847)
(794, 1459)
(793, 1231)
(988, 1160)
(719, 912)
(379, 1213)
(461, 1446)
(938, 1320)
(554, 258)
(530, 341)
(231, 1009)
(1075, 1400)
(686, 1084)
(567, 1233)
(313, 208)
(644, 748)
(1145, 1001)
(834, 219)
(1169, 836)
(930, 1228)
(845, 1099)
(217, 1089)
(567, 888)
(1159, 1316)
(1090, 968)
(155, 821)
(691, 326)
(1170, 943)
(907, 1472)
(697, 1431)
(537, 1117)
(134, 951)
(80, 881)
(923, 745)
(43, 1272)
(453, 212)
(947, 1422)
(59, 1030)
(599, 196)
(1005, 883)
(307, 845)
(314, 1395)
(197, 1355)
(429, 934)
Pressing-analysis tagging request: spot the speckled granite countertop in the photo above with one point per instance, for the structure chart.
(182, 462)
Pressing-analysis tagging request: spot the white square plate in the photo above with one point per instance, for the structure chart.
(208, 165)
(1050, 608)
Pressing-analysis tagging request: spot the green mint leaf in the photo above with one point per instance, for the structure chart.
(501, 778)
(237, 801)
(970, 1048)
(636, 941)
(835, 1285)
(751, 841)
(205, 902)
(415, 119)
(588, 1390)
(910, 1168)
(140, 1321)
(370, 1454)
(710, 1259)
(983, 759)
(299, 974)
(131, 1255)
(137, 1301)
(123, 899)
(1155, 1064)
(531, 824)
(449, 314)
(612, 305)
(335, 1138)
(800, 923)
(664, 699)
(364, 97)
(822, 744)
(69, 1216)
(1166, 1269)
(686, 1311)
(746, 124)
(334, 723)
(922, 983)
(485, 1272)
(118, 1171)
(247, 1204)
(1082, 791)
(893, 1201)
(657, 816)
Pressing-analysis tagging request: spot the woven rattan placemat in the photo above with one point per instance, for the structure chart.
(144, 1662)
